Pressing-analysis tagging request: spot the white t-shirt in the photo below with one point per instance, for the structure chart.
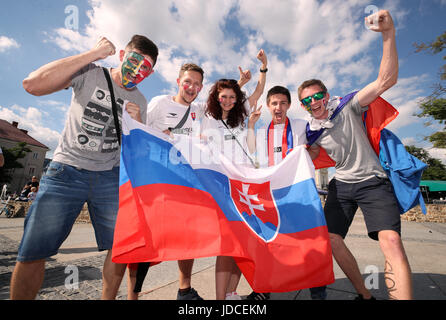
(164, 113)
(298, 129)
(229, 141)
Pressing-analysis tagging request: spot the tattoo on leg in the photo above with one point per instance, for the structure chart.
(389, 279)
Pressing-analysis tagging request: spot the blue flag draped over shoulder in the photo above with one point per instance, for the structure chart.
(403, 169)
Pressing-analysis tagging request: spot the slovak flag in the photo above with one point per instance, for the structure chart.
(179, 201)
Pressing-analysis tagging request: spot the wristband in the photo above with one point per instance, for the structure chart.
(264, 70)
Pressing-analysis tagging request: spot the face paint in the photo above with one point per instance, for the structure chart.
(222, 100)
(135, 68)
(187, 86)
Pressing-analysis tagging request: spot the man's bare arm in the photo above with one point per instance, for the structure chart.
(57, 75)
(388, 71)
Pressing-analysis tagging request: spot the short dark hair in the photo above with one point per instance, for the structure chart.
(310, 83)
(278, 90)
(144, 45)
(191, 67)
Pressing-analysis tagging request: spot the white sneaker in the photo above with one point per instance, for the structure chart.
(233, 296)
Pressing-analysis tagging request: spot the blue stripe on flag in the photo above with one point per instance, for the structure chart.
(147, 162)
(156, 166)
(300, 207)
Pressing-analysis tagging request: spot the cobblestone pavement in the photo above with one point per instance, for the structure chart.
(425, 244)
(56, 274)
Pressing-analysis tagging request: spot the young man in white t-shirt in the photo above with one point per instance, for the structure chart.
(180, 116)
(273, 142)
(171, 114)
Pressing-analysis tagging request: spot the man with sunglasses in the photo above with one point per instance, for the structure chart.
(360, 179)
(85, 166)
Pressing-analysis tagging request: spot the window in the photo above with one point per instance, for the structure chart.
(35, 155)
(31, 171)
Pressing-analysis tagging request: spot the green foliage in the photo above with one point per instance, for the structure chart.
(12, 156)
(435, 108)
(435, 47)
(438, 139)
(436, 170)
(435, 105)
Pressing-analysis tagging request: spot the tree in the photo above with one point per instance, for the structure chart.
(435, 105)
(12, 156)
(436, 170)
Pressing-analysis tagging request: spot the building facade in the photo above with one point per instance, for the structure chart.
(322, 179)
(10, 136)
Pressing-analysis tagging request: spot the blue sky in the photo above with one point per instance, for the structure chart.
(302, 38)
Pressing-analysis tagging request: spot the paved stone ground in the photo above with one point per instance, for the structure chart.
(425, 244)
(53, 288)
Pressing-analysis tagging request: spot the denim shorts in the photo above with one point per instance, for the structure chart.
(374, 196)
(62, 194)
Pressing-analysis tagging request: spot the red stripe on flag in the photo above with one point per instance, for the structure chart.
(291, 262)
(165, 222)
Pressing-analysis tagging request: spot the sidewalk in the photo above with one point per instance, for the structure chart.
(425, 245)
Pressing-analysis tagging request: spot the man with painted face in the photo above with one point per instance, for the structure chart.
(135, 68)
(85, 166)
(360, 179)
(179, 115)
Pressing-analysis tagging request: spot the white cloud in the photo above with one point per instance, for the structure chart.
(303, 39)
(186, 28)
(405, 97)
(31, 119)
(322, 40)
(439, 154)
(57, 105)
(7, 43)
(409, 141)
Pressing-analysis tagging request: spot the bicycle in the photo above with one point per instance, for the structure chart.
(7, 208)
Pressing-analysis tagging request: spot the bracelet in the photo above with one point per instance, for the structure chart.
(264, 70)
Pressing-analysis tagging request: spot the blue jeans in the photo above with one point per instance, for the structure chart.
(62, 194)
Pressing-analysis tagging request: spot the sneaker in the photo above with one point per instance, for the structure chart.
(318, 293)
(233, 296)
(192, 294)
(258, 296)
(361, 298)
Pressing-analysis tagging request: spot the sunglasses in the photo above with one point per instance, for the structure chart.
(317, 96)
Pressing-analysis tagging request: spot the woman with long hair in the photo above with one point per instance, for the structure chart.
(224, 128)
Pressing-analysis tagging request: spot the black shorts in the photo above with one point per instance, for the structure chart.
(374, 196)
